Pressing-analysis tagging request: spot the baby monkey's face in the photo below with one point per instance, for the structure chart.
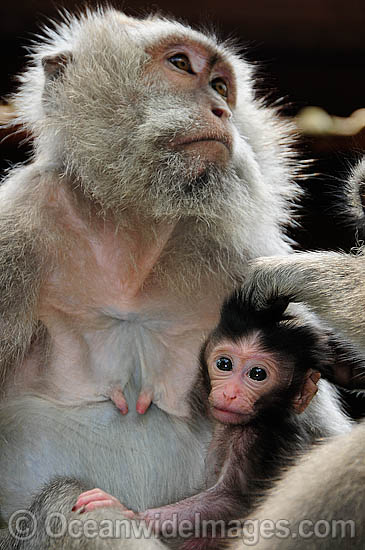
(242, 372)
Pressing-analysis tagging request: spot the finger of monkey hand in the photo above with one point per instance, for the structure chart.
(96, 498)
(261, 287)
(269, 279)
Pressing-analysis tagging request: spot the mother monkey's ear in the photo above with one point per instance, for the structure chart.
(54, 65)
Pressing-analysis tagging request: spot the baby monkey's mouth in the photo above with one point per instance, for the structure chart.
(227, 416)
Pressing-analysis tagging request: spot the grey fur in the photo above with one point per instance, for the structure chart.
(324, 489)
(102, 160)
(329, 283)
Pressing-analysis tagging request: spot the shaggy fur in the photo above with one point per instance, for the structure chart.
(116, 256)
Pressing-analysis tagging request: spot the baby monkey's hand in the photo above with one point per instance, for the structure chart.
(96, 498)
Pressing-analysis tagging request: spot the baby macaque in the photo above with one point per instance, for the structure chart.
(259, 370)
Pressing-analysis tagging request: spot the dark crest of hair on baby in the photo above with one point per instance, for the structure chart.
(279, 332)
(239, 316)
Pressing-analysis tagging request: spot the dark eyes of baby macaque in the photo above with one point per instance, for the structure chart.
(240, 382)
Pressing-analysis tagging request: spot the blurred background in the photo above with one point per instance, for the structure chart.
(314, 49)
(310, 57)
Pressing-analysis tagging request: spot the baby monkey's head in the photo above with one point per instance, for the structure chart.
(255, 362)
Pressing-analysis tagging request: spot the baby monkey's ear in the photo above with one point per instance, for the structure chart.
(307, 392)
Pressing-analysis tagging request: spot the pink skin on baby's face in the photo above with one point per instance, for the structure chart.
(240, 374)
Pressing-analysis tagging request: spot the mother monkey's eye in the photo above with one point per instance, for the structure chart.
(182, 62)
(220, 86)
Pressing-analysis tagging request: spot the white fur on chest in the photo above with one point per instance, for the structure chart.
(143, 460)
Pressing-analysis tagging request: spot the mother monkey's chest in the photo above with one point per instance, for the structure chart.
(144, 459)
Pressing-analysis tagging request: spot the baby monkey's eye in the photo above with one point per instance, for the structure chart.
(224, 363)
(181, 61)
(220, 86)
(257, 373)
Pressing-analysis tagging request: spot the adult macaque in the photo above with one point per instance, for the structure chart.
(156, 176)
(258, 372)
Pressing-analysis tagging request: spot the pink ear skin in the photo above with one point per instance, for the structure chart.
(309, 390)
